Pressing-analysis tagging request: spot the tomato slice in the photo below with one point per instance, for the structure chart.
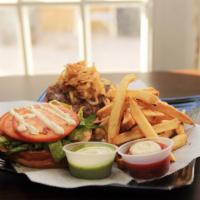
(7, 127)
(1, 123)
(45, 133)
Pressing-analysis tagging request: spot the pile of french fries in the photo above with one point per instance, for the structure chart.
(135, 114)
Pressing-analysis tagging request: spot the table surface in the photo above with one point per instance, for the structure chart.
(169, 84)
(29, 88)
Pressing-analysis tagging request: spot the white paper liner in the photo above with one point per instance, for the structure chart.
(62, 178)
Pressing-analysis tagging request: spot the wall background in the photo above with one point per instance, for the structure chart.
(174, 35)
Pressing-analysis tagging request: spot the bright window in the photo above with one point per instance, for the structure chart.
(41, 36)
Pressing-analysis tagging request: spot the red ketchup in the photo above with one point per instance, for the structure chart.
(150, 170)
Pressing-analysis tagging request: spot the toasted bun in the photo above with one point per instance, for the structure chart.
(36, 159)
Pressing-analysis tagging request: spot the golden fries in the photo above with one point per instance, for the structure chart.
(133, 134)
(105, 111)
(140, 113)
(152, 91)
(172, 157)
(117, 108)
(142, 122)
(166, 125)
(180, 129)
(152, 113)
(173, 112)
(128, 122)
(144, 96)
(167, 134)
(104, 121)
(136, 133)
(179, 141)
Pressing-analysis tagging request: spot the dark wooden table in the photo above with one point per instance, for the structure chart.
(14, 186)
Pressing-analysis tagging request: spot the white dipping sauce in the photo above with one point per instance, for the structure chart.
(144, 147)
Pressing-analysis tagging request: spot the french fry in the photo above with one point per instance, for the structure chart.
(180, 129)
(179, 141)
(97, 121)
(152, 113)
(155, 117)
(173, 112)
(172, 157)
(166, 125)
(105, 125)
(136, 133)
(128, 122)
(157, 120)
(153, 120)
(104, 121)
(167, 134)
(133, 134)
(105, 111)
(117, 108)
(165, 117)
(152, 91)
(140, 119)
(147, 97)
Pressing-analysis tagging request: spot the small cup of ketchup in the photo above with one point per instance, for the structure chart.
(147, 158)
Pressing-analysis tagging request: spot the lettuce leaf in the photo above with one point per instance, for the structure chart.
(87, 122)
(14, 146)
(56, 149)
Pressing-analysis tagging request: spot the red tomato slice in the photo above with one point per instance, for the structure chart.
(7, 127)
(1, 122)
(45, 134)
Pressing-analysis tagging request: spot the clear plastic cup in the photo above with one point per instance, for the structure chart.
(90, 160)
(148, 165)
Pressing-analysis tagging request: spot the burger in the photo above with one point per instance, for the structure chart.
(34, 135)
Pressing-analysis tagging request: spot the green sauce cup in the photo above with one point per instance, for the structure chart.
(90, 160)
